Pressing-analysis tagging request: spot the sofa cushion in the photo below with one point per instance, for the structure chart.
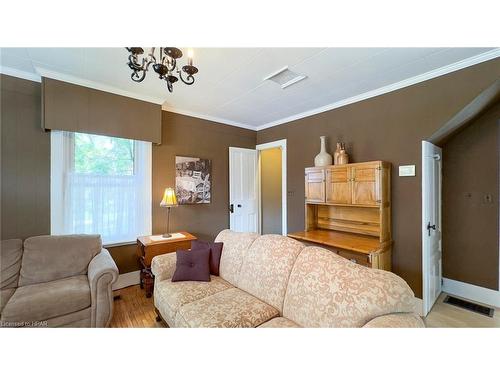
(267, 266)
(11, 252)
(169, 296)
(215, 253)
(230, 308)
(326, 290)
(47, 300)
(48, 258)
(5, 295)
(236, 246)
(401, 320)
(192, 265)
(279, 322)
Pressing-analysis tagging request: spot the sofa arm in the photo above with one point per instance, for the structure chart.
(163, 266)
(398, 320)
(102, 273)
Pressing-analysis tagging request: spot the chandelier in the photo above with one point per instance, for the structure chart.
(165, 66)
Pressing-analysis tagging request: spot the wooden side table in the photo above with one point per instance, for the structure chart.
(151, 246)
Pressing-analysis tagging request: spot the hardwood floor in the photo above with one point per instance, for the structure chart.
(134, 310)
(444, 315)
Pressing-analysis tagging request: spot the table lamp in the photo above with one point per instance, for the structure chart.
(169, 200)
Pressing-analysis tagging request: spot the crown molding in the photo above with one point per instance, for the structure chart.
(96, 85)
(20, 74)
(490, 55)
(209, 118)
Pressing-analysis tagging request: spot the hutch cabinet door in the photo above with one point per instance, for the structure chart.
(338, 185)
(366, 184)
(315, 185)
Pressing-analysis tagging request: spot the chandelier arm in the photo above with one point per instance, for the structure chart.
(138, 75)
(189, 80)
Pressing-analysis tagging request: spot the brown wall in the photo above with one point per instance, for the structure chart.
(470, 221)
(25, 161)
(389, 127)
(270, 186)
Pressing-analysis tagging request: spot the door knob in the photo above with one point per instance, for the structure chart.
(239, 206)
(429, 227)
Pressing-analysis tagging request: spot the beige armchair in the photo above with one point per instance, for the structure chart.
(56, 281)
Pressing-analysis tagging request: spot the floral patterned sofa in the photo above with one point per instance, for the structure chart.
(275, 281)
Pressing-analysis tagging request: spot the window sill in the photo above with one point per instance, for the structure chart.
(116, 244)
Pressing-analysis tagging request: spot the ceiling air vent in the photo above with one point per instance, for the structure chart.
(285, 77)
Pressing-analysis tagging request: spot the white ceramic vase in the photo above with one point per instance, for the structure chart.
(323, 158)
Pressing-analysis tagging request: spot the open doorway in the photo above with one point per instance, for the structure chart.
(272, 187)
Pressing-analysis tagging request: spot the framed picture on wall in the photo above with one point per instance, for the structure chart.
(193, 180)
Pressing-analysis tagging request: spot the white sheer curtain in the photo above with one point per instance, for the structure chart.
(118, 207)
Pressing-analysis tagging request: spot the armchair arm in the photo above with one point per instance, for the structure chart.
(397, 320)
(163, 266)
(102, 273)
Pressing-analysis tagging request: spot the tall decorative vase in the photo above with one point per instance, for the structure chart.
(323, 158)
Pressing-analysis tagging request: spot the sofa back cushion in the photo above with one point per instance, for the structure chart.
(267, 266)
(326, 290)
(48, 258)
(236, 245)
(11, 252)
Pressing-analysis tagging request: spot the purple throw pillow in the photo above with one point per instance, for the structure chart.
(192, 265)
(215, 253)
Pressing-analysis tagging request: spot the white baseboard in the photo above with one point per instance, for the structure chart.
(472, 292)
(127, 279)
(419, 306)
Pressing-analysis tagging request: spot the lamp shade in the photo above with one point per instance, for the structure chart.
(169, 198)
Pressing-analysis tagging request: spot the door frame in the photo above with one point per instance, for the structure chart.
(281, 144)
(425, 249)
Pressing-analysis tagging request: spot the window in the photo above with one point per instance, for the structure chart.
(100, 184)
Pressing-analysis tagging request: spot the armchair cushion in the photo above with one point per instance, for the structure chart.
(5, 295)
(48, 258)
(47, 300)
(11, 252)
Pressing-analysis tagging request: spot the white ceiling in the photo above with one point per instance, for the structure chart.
(229, 87)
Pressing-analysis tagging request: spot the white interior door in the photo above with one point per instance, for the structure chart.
(243, 190)
(431, 224)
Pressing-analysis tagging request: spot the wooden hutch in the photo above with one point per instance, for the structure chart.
(348, 211)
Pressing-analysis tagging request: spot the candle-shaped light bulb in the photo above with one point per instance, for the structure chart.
(190, 56)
